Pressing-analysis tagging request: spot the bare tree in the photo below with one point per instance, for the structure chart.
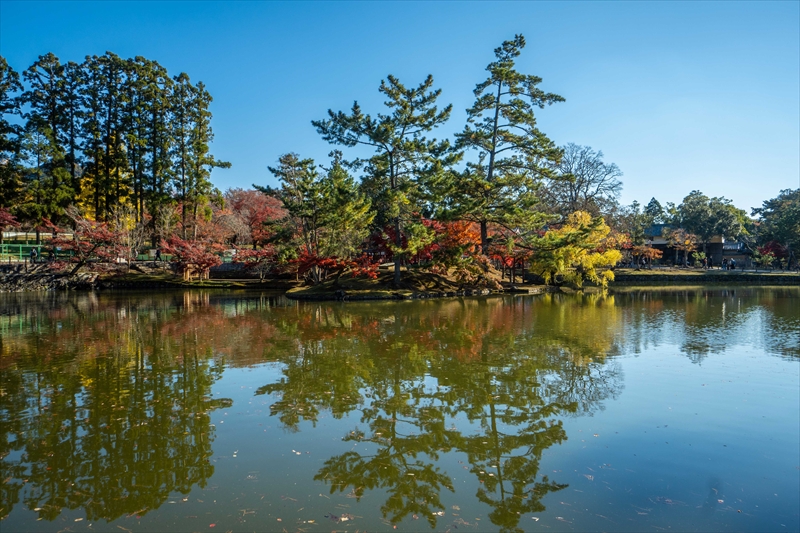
(585, 182)
(131, 235)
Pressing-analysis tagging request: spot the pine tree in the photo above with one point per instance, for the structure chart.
(404, 156)
(513, 154)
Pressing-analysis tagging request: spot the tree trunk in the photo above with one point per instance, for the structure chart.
(398, 242)
(484, 237)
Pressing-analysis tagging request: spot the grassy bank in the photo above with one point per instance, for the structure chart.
(704, 277)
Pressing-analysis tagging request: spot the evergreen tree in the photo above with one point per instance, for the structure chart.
(72, 109)
(708, 217)
(10, 170)
(300, 196)
(513, 154)
(347, 215)
(46, 190)
(655, 212)
(46, 118)
(404, 156)
(156, 91)
(780, 222)
(201, 162)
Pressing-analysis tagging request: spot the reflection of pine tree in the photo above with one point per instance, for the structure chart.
(502, 364)
(408, 433)
(517, 425)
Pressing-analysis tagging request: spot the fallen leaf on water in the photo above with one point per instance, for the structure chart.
(720, 501)
(535, 518)
(78, 519)
(212, 525)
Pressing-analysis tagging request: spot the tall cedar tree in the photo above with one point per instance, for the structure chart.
(191, 133)
(49, 190)
(404, 157)
(10, 176)
(513, 154)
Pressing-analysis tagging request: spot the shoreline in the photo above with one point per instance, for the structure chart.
(34, 281)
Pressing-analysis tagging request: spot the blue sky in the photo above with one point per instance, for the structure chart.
(680, 95)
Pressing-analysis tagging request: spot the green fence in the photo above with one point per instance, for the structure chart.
(10, 253)
(21, 253)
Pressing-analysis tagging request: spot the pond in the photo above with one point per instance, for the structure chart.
(221, 411)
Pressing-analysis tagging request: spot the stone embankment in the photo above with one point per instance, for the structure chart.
(19, 278)
(706, 277)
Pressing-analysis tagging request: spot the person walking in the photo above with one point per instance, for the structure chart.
(34, 255)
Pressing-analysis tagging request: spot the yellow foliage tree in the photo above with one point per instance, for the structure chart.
(581, 249)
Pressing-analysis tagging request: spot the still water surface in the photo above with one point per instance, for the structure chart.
(211, 411)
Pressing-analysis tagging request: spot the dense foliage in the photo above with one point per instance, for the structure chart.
(112, 156)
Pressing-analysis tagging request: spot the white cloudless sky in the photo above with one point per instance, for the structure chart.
(680, 95)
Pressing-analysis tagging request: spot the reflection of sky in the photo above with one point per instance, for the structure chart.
(681, 437)
(716, 322)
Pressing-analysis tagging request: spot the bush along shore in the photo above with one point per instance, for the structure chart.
(415, 285)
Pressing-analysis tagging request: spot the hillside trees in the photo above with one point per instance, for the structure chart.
(403, 158)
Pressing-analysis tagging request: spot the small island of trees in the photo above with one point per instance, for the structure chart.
(106, 159)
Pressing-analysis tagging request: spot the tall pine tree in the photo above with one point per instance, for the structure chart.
(513, 154)
(404, 156)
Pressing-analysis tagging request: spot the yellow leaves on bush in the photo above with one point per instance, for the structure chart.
(581, 249)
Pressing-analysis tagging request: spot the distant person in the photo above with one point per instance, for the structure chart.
(725, 264)
(158, 254)
(705, 264)
(733, 264)
(710, 265)
(34, 255)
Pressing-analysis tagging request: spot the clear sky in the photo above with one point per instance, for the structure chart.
(680, 95)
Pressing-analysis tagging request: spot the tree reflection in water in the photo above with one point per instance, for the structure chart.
(510, 367)
(104, 414)
(105, 400)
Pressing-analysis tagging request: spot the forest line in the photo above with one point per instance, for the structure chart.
(117, 153)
